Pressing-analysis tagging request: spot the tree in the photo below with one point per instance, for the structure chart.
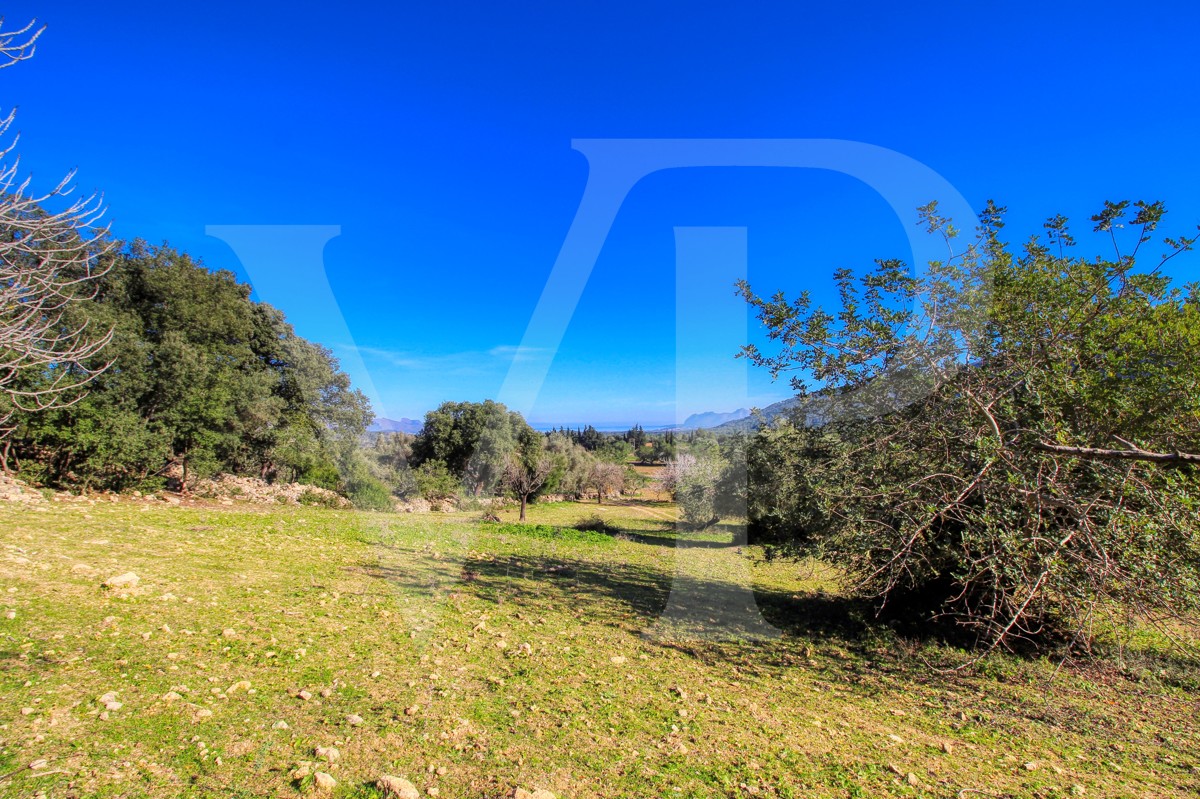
(473, 439)
(49, 262)
(203, 380)
(606, 478)
(572, 465)
(1006, 441)
(527, 469)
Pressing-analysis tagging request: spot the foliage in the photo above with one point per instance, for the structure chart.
(473, 440)
(203, 380)
(435, 481)
(527, 469)
(572, 466)
(596, 524)
(606, 479)
(693, 481)
(1005, 440)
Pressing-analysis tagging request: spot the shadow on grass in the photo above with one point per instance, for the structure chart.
(613, 591)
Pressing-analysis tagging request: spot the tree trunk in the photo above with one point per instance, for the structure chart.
(524, 497)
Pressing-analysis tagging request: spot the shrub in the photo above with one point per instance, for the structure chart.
(435, 482)
(595, 524)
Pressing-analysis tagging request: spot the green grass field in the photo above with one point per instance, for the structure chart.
(481, 658)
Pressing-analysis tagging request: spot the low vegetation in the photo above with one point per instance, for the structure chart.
(473, 659)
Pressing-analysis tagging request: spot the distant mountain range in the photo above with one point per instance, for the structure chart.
(405, 425)
(708, 419)
(733, 421)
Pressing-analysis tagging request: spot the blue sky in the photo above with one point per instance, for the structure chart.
(438, 137)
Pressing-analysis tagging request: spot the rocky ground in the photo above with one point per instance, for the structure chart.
(224, 490)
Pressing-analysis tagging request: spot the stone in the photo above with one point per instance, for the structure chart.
(397, 787)
(126, 580)
(324, 781)
(305, 695)
(279, 725)
(328, 753)
(104, 699)
(354, 720)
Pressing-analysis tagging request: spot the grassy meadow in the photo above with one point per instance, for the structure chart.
(477, 659)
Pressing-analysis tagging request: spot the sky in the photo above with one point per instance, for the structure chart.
(402, 179)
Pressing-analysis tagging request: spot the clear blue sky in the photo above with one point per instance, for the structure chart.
(438, 136)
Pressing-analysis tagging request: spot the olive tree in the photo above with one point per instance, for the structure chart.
(1009, 440)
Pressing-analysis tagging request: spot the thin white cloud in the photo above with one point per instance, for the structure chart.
(462, 363)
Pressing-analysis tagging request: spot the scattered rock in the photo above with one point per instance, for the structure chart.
(617, 660)
(328, 753)
(324, 781)
(104, 699)
(279, 725)
(397, 787)
(411, 710)
(114, 706)
(240, 685)
(126, 580)
(171, 696)
(354, 720)
(27, 711)
(911, 779)
(227, 488)
(305, 695)
(326, 692)
(229, 632)
(1030, 766)
(540, 793)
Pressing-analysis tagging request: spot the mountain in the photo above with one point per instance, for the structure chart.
(703, 421)
(750, 423)
(405, 425)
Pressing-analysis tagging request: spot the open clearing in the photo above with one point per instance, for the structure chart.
(473, 659)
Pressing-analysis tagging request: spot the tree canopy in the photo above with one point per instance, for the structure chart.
(203, 379)
(1003, 440)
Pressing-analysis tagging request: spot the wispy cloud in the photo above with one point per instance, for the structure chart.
(463, 363)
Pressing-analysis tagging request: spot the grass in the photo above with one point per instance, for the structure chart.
(508, 655)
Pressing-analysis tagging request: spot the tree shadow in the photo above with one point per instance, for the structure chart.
(642, 591)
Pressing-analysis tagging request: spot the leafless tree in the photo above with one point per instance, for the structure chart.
(49, 263)
(606, 478)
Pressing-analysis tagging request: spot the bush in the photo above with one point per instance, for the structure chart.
(435, 482)
(595, 524)
(371, 495)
